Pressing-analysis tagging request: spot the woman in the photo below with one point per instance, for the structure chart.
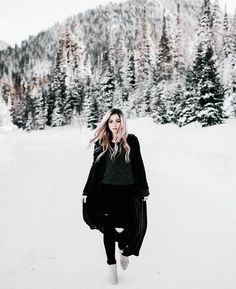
(116, 190)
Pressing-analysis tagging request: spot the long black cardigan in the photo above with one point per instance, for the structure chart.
(92, 208)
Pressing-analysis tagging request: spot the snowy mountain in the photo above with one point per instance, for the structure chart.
(174, 61)
(3, 45)
(94, 27)
(190, 241)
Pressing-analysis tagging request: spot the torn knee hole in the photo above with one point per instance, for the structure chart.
(119, 230)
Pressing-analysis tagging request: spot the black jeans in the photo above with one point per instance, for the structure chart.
(109, 237)
(118, 209)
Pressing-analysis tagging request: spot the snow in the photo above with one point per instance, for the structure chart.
(191, 237)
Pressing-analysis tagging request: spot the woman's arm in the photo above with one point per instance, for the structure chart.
(138, 166)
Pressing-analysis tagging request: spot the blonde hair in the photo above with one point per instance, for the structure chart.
(104, 135)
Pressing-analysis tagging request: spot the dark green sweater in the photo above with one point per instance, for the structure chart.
(117, 171)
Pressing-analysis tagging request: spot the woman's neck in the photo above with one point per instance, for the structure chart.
(114, 140)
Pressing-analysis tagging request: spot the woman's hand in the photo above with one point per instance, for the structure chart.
(84, 199)
(145, 198)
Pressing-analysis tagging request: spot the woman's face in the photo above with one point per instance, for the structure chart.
(114, 123)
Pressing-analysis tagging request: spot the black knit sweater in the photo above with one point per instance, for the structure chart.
(97, 170)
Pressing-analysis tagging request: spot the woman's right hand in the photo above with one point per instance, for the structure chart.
(84, 199)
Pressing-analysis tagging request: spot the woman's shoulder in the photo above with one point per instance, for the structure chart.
(132, 138)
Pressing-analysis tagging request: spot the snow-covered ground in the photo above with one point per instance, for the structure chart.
(191, 237)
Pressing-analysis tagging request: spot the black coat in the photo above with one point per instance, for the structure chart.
(92, 208)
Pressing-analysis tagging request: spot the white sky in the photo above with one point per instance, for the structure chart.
(21, 18)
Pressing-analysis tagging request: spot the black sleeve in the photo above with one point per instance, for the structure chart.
(140, 170)
(88, 185)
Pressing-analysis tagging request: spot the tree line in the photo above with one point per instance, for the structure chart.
(150, 78)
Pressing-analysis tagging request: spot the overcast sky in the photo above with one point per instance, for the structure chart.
(21, 18)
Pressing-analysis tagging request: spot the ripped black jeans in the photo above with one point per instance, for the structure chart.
(117, 203)
(109, 238)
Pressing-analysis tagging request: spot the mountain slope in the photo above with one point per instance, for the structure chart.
(3, 45)
(94, 28)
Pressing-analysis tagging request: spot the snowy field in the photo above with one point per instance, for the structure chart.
(191, 237)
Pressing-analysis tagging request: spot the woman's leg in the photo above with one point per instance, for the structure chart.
(109, 240)
(122, 239)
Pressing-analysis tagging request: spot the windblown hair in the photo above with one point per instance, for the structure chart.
(104, 136)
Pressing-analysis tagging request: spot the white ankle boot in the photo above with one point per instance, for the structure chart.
(124, 261)
(113, 277)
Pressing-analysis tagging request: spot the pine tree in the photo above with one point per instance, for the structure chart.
(75, 75)
(179, 66)
(165, 57)
(233, 33)
(92, 114)
(217, 28)
(176, 105)
(146, 52)
(158, 106)
(205, 34)
(211, 93)
(58, 85)
(121, 60)
(188, 107)
(28, 109)
(40, 116)
(226, 36)
(107, 85)
(130, 77)
(29, 125)
(131, 73)
(57, 115)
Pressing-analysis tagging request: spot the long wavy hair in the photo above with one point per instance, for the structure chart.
(104, 136)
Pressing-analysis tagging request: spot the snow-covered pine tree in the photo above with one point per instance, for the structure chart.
(204, 30)
(177, 100)
(28, 108)
(29, 125)
(129, 68)
(179, 63)
(5, 102)
(90, 104)
(146, 52)
(226, 36)
(187, 110)
(165, 71)
(44, 87)
(146, 62)
(211, 92)
(92, 114)
(190, 105)
(17, 110)
(233, 33)
(131, 72)
(158, 106)
(217, 28)
(39, 104)
(120, 60)
(58, 86)
(165, 59)
(106, 85)
(75, 74)
(57, 115)
(178, 71)
(233, 88)
(227, 66)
